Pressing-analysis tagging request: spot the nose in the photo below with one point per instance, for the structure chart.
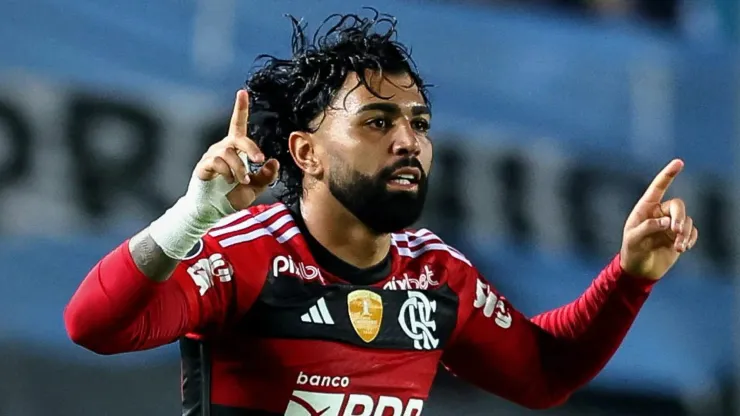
(406, 141)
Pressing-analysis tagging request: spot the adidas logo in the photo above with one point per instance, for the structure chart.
(318, 314)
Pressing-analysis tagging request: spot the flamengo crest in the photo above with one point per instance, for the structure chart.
(417, 321)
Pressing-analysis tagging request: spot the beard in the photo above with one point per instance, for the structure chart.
(369, 199)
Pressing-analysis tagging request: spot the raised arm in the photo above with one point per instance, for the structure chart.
(121, 308)
(150, 290)
(540, 362)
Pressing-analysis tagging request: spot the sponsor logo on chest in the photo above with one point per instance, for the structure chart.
(424, 280)
(311, 403)
(286, 264)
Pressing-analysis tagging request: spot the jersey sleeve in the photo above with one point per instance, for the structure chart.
(118, 309)
(540, 362)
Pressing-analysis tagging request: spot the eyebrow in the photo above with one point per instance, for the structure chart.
(394, 108)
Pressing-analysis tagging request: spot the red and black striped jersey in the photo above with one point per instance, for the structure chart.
(271, 323)
(288, 327)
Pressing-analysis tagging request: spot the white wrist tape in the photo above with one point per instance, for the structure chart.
(180, 227)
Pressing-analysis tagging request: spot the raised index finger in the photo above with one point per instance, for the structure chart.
(657, 189)
(238, 126)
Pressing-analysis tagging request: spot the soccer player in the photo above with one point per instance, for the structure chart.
(324, 303)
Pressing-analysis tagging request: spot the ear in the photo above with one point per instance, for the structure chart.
(302, 148)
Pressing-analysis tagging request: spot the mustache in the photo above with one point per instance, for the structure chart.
(410, 162)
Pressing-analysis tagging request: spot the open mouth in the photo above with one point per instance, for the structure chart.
(406, 178)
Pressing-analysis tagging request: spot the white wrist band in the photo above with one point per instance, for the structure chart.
(178, 230)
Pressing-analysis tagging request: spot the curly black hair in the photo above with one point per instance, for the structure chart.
(286, 95)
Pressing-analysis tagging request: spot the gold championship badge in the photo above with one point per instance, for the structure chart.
(365, 313)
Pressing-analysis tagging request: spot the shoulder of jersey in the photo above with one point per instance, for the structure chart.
(421, 243)
(259, 221)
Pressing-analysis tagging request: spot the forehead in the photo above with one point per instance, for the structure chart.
(395, 88)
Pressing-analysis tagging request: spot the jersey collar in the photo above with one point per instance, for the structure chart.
(336, 266)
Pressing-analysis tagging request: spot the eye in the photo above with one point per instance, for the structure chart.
(421, 125)
(379, 123)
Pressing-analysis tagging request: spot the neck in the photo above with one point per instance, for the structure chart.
(340, 232)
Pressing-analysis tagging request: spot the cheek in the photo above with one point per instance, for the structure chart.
(366, 158)
(427, 155)
(346, 163)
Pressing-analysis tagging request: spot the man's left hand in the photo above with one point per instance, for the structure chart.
(657, 232)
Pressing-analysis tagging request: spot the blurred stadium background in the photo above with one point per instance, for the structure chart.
(549, 116)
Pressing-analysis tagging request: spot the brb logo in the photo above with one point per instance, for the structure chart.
(321, 381)
(282, 264)
(306, 403)
(417, 322)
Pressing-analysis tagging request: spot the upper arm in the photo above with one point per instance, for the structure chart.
(220, 285)
(496, 347)
(207, 291)
(197, 298)
(540, 362)
(118, 309)
(206, 280)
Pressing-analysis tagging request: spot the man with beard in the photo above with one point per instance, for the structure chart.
(323, 304)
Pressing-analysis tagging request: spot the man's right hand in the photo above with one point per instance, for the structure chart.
(220, 185)
(225, 164)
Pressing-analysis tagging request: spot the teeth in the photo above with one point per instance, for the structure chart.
(406, 176)
(401, 181)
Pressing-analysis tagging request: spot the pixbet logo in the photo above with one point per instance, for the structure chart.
(425, 281)
(305, 403)
(283, 264)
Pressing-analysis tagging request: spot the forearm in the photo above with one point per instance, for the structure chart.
(612, 297)
(118, 308)
(128, 298)
(586, 333)
(540, 362)
(150, 258)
